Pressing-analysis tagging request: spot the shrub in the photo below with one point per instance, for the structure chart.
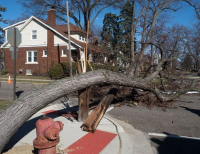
(105, 66)
(66, 69)
(62, 70)
(3, 72)
(56, 72)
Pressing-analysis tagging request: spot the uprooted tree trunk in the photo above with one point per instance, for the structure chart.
(91, 123)
(16, 114)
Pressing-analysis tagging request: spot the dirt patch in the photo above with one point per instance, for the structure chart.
(28, 149)
(22, 149)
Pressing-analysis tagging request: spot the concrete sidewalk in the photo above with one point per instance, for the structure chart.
(120, 137)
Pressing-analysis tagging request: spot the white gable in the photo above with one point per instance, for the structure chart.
(35, 24)
(18, 25)
(60, 41)
(27, 35)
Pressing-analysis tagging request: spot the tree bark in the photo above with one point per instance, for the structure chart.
(16, 114)
(91, 123)
(83, 106)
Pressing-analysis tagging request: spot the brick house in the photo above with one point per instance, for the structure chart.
(43, 43)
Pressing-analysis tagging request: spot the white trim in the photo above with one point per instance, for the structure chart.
(31, 63)
(27, 46)
(32, 35)
(43, 55)
(32, 57)
(80, 37)
(61, 44)
(63, 55)
(39, 45)
(30, 19)
(173, 136)
(30, 73)
(15, 24)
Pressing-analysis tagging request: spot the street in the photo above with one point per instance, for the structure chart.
(182, 121)
(6, 90)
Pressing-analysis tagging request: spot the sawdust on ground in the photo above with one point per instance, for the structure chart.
(22, 149)
(27, 149)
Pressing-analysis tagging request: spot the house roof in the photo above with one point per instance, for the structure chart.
(58, 30)
(73, 29)
(16, 24)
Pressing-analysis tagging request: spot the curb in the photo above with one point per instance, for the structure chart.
(140, 141)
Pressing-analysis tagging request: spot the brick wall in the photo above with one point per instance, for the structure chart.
(51, 17)
(44, 63)
(36, 69)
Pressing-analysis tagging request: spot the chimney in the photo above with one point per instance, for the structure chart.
(51, 17)
(95, 40)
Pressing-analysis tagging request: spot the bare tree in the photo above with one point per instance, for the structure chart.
(144, 23)
(2, 9)
(193, 46)
(79, 9)
(21, 18)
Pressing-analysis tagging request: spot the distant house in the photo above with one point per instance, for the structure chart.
(43, 44)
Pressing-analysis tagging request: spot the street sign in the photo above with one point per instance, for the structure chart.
(10, 36)
(12, 52)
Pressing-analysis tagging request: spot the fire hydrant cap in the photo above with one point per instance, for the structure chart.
(52, 133)
(60, 124)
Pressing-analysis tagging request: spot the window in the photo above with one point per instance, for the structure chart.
(64, 53)
(44, 53)
(31, 57)
(79, 37)
(28, 72)
(34, 34)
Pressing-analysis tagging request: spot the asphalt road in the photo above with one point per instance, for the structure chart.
(182, 121)
(6, 90)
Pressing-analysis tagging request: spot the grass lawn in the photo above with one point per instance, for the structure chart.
(4, 103)
(27, 77)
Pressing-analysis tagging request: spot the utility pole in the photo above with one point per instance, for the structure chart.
(14, 64)
(69, 41)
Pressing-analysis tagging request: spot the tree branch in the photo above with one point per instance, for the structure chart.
(13, 116)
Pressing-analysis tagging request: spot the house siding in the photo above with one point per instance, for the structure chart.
(27, 35)
(76, 36)
(18, 26)
(48, 39)
(60, 41)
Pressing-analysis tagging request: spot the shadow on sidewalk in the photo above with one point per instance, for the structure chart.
(28, 126)
(170, 145)
(18, 93)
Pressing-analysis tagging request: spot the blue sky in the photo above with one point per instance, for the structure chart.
(184, 16)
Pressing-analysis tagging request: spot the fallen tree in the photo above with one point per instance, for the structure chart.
(13, 116)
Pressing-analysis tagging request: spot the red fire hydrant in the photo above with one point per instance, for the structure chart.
(47, 131)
